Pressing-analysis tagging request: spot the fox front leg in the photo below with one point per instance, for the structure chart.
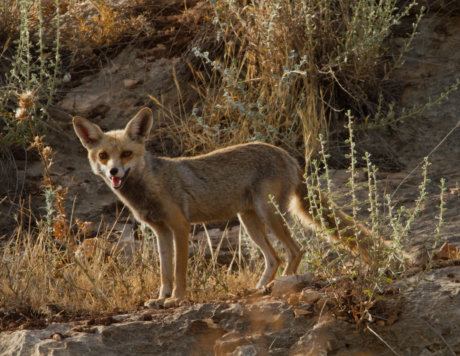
(165, 251)
(181, 234)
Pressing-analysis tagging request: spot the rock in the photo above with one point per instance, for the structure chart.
(260, 327)
(246, 350)
(130, 83)
(310, 296)
(229, 343)
(265, 316)
(447, 252)
(298, 312)
(290, 284)
(108, 95)
(294, 300)
(316, 342)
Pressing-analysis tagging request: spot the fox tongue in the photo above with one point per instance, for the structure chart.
(116, 181)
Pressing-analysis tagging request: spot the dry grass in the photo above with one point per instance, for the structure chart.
(89, 27)
(285, 71)
(39, 271)
(9, 21)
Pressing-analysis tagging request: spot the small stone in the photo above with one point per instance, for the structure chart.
(57, 337)
(321, 303)
(301, 312)
(246, 350)
(147, 317)
(130, 83)
(294, 300)
(447, 252)
(310, 296)
(291, 284)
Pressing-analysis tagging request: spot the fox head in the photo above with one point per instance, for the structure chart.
(114, 155)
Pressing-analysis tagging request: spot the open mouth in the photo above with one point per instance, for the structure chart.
(117, 182)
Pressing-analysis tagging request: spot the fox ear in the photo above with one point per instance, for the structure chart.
(138, 129)
(89, 134)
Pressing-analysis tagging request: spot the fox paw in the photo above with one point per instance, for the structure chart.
(154, 303)
(173, 302)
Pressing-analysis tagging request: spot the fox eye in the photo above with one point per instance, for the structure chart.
(126, 154)
(103, 155)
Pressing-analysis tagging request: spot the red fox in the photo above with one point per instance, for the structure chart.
(169, 194)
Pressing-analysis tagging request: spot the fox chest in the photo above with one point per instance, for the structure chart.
(144, 205)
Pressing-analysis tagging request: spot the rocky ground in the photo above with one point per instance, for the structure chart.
(423, 322)
(425, 317)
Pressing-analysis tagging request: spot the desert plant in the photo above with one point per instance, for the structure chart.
(34, 68)
(355, 289)
(289, 69)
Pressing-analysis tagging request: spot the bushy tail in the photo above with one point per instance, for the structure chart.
(315, 207)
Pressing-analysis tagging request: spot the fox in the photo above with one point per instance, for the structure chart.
(171, 194)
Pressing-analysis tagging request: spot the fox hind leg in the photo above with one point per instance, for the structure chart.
(293, 251)
(275, 223)
(256, 230)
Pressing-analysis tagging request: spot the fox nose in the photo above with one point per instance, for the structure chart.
(113, 171)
